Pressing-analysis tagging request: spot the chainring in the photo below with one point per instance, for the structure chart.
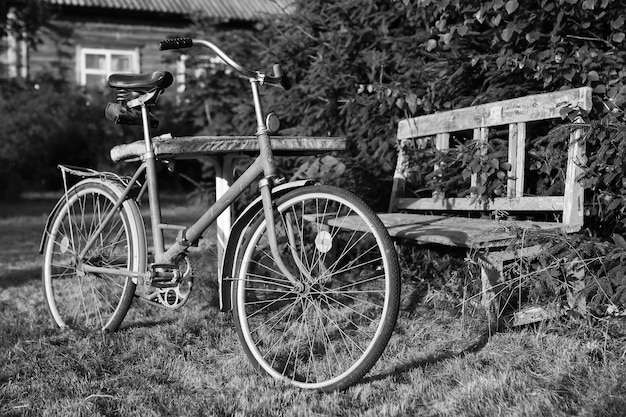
(176, 297)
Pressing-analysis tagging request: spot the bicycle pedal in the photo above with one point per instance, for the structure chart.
(164, 275)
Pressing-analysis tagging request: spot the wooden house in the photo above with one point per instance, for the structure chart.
(85, 40)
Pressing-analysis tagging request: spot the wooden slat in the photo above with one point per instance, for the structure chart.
(449, 231)
(574, 192)
(399, 177)
(512, 159)
(517, 110)
(480, 135)
(520, 179)
(543, 203)
(192, 146)
(442, 143)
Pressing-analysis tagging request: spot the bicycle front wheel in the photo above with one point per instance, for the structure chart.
(330, 332)
(76, 297)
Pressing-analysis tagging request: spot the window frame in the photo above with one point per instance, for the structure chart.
(81, 62)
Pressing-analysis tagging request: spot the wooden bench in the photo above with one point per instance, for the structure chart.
(448, 221)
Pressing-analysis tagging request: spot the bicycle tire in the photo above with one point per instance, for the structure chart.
(90, 301)
(331, 334)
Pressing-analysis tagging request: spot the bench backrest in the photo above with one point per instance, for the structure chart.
(515, 113)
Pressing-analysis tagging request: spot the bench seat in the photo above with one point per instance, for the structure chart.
(188, 147)
(460, 232)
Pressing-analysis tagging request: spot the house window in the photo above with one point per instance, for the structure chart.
(95, 65)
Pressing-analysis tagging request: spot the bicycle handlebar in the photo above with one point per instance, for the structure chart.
(278, 79)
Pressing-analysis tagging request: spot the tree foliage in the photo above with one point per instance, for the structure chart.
(46, 124)
(359, 67)
(26, 18)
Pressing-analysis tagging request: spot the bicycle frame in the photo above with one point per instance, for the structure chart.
(262, 165)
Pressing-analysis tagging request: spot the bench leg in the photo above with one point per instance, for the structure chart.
(491, 277)
(223, 180)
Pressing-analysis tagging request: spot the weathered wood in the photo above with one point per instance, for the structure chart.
(517, 110)
(399, 179)
(574, 192)
(492, 238)
(534, 314)
(193, 146)
(535, 203)
(450, 230)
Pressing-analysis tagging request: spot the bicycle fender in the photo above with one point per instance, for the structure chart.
(59, 204)
(237, 232)
(46, 229)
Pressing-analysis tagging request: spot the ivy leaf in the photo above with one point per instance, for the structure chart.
(411, 101)
(589, 4)
(600, 89)
(533, 36)
(617, 23)
(614, 204)
(507, 34)
(462, 30)
(511, 6)
(498, 4)
(431, 44)
(618, 37)
(619, 241)
(593, 76)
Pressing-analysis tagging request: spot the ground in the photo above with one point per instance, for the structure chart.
(439, 362)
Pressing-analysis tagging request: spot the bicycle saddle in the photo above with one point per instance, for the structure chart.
(141, 82)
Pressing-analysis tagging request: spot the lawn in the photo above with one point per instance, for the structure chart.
(189, 362)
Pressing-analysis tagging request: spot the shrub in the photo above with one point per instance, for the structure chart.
(50, 123)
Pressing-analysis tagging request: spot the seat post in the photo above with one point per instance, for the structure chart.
(153, 193)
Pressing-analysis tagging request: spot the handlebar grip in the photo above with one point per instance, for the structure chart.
(175, 43)
(285, 81)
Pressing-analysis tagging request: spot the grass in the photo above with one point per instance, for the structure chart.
(189, 362)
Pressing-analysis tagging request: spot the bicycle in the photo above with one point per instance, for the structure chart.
(314, 302)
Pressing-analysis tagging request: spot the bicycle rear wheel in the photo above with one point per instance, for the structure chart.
(85, 300)
(328, 335)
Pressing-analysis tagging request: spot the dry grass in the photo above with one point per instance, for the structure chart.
(189, 362)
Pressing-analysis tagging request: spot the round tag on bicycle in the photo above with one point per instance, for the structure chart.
(323, 241)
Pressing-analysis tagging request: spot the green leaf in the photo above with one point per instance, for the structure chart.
(507, 34)
(411, 100)
(619, 241)
(533, 36)
(497, 4)
(614, 204)
(617, 23)
(589, 4)
(599, 89)
(511, 6)
(593, 76)
(431, 44)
